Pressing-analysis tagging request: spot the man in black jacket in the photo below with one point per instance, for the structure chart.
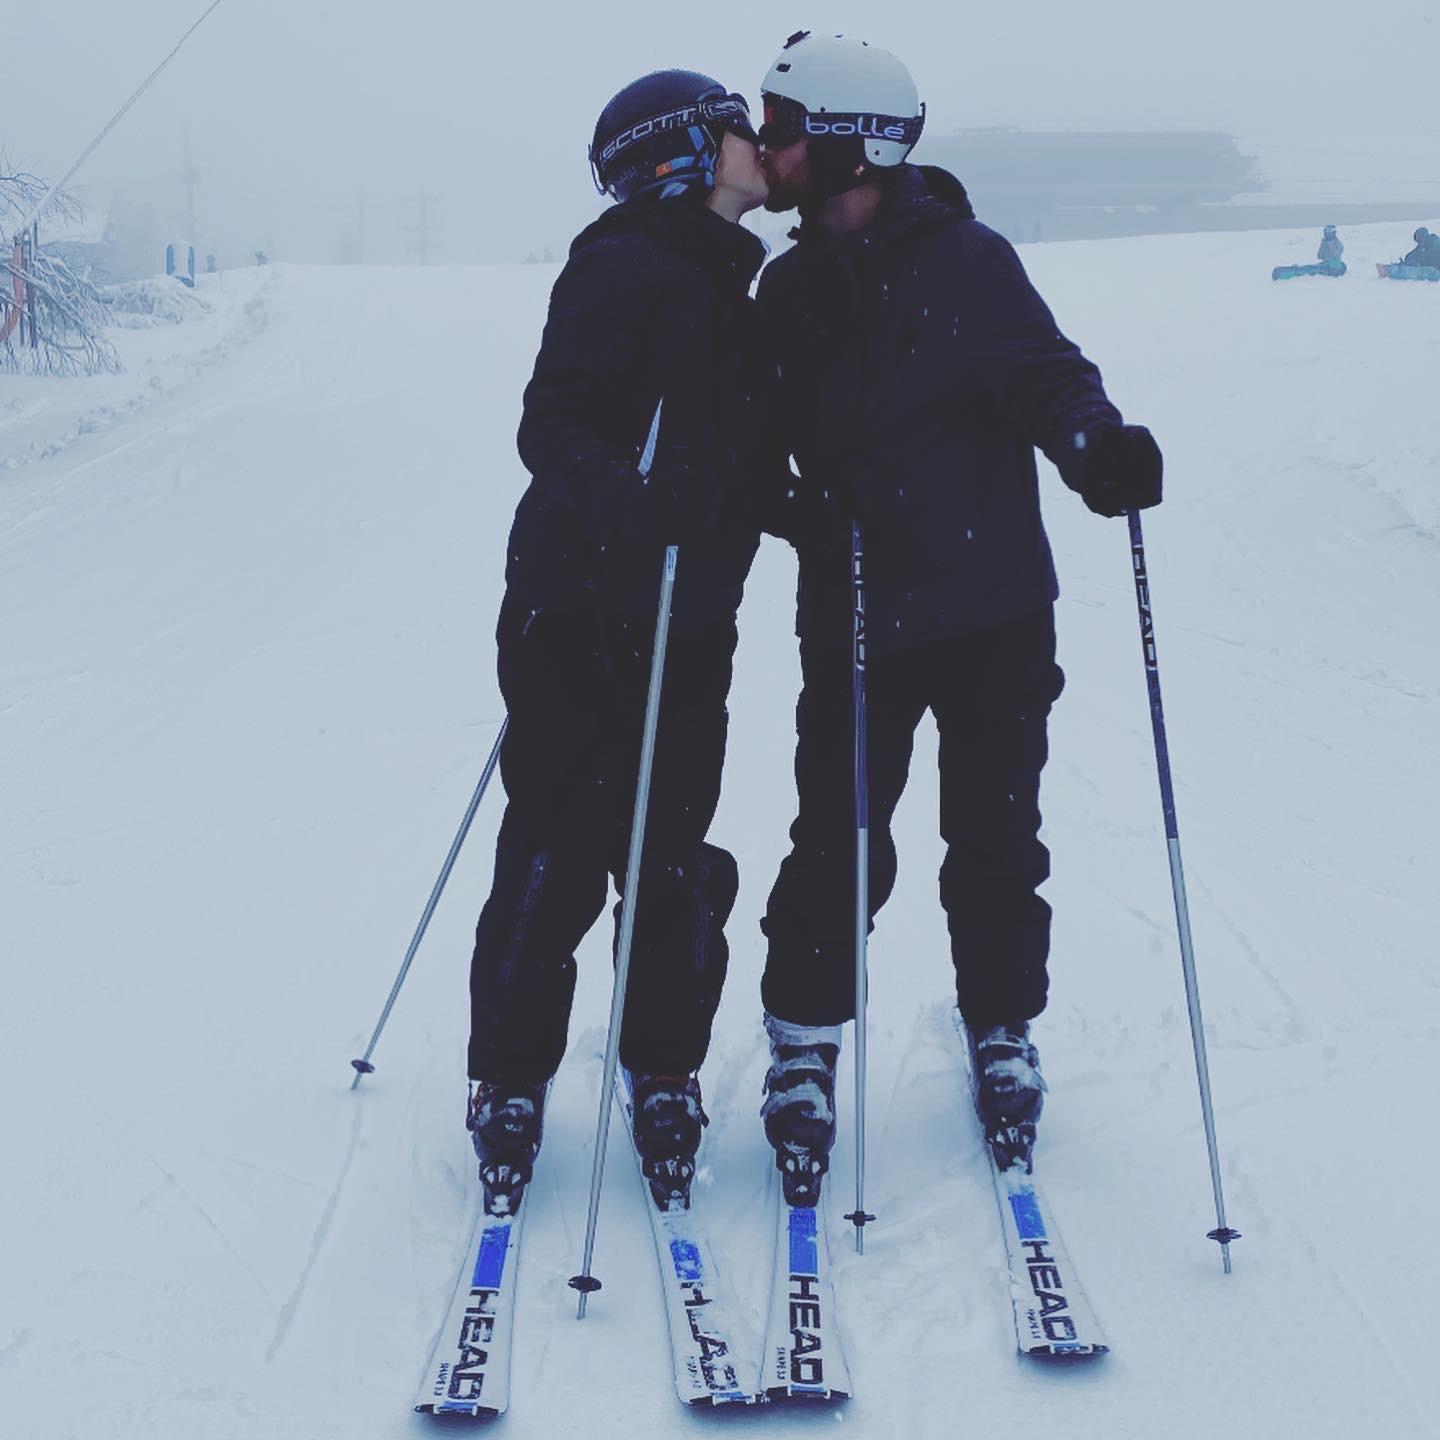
(650, 346)
(920, 372)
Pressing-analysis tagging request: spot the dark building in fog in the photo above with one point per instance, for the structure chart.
(1066, 185)
(1076, 185)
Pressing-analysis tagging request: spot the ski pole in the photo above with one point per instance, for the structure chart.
(363, 1066)
(1222, 1234)
(858, 1217)
(585, 1282)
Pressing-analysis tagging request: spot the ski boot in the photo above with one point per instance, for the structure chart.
(505, 1124)
(799, 1108)
(1009, 1090)
(667, 1119)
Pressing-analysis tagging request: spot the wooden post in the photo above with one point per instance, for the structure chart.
(14, 308)
(30, 288)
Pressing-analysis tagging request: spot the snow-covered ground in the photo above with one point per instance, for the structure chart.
(166, 335)
(246, 687)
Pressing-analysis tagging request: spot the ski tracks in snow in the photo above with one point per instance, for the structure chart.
(174, 1184)
(321, 1233)
(10, 1350)
(1289, 1233)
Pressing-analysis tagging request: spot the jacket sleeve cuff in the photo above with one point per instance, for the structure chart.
(1069, 452)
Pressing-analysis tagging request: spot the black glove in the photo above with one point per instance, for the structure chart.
(678, 503)
(1121, 469)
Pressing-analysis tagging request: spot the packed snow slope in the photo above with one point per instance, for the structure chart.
(246, 688)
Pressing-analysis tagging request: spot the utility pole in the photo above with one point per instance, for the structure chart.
(423, 231)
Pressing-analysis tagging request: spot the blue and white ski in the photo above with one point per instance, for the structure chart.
(803, 1354)
(707, 1369)
(469, 1372)
(1052, 1314)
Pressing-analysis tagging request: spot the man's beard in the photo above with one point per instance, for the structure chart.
(783, 195)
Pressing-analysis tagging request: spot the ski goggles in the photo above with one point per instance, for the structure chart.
(717, 113)
(787, 121)
(722, 112)
(732, 113)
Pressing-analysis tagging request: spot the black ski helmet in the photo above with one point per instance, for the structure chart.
(1422, 234)
(663, 132)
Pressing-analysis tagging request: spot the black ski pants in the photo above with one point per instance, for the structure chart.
(575, 685)
(991, 693)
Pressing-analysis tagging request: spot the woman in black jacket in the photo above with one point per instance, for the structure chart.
(651, 314)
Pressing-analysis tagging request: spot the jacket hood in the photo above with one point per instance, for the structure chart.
(688, 229)
(918, 195)
(942, 188)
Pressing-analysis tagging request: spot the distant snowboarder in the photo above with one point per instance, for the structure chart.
(653, 306)
(1330, 263)
(1422, 263)
(1331, 250)
(920, 369)
(1329, 269)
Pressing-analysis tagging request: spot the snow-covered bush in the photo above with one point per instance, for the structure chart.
(51, 320)
(141, 304)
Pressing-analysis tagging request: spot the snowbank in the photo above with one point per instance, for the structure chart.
(166, 336)
(159, 300)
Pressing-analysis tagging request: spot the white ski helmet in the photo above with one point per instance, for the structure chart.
(835, 85)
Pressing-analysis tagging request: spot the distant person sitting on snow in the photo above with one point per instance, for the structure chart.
(1331, 250)
(1426, 251)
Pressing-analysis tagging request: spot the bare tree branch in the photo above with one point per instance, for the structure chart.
(65, 311)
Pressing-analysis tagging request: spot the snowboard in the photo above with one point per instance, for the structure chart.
(1408, 272)
(1291, 272)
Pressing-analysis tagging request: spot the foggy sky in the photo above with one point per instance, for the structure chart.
(302, 111)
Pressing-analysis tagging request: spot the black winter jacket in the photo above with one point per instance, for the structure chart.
(654, 302)
(1427, 252)
(919, 371)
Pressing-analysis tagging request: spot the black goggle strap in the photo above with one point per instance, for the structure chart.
(702, 156)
